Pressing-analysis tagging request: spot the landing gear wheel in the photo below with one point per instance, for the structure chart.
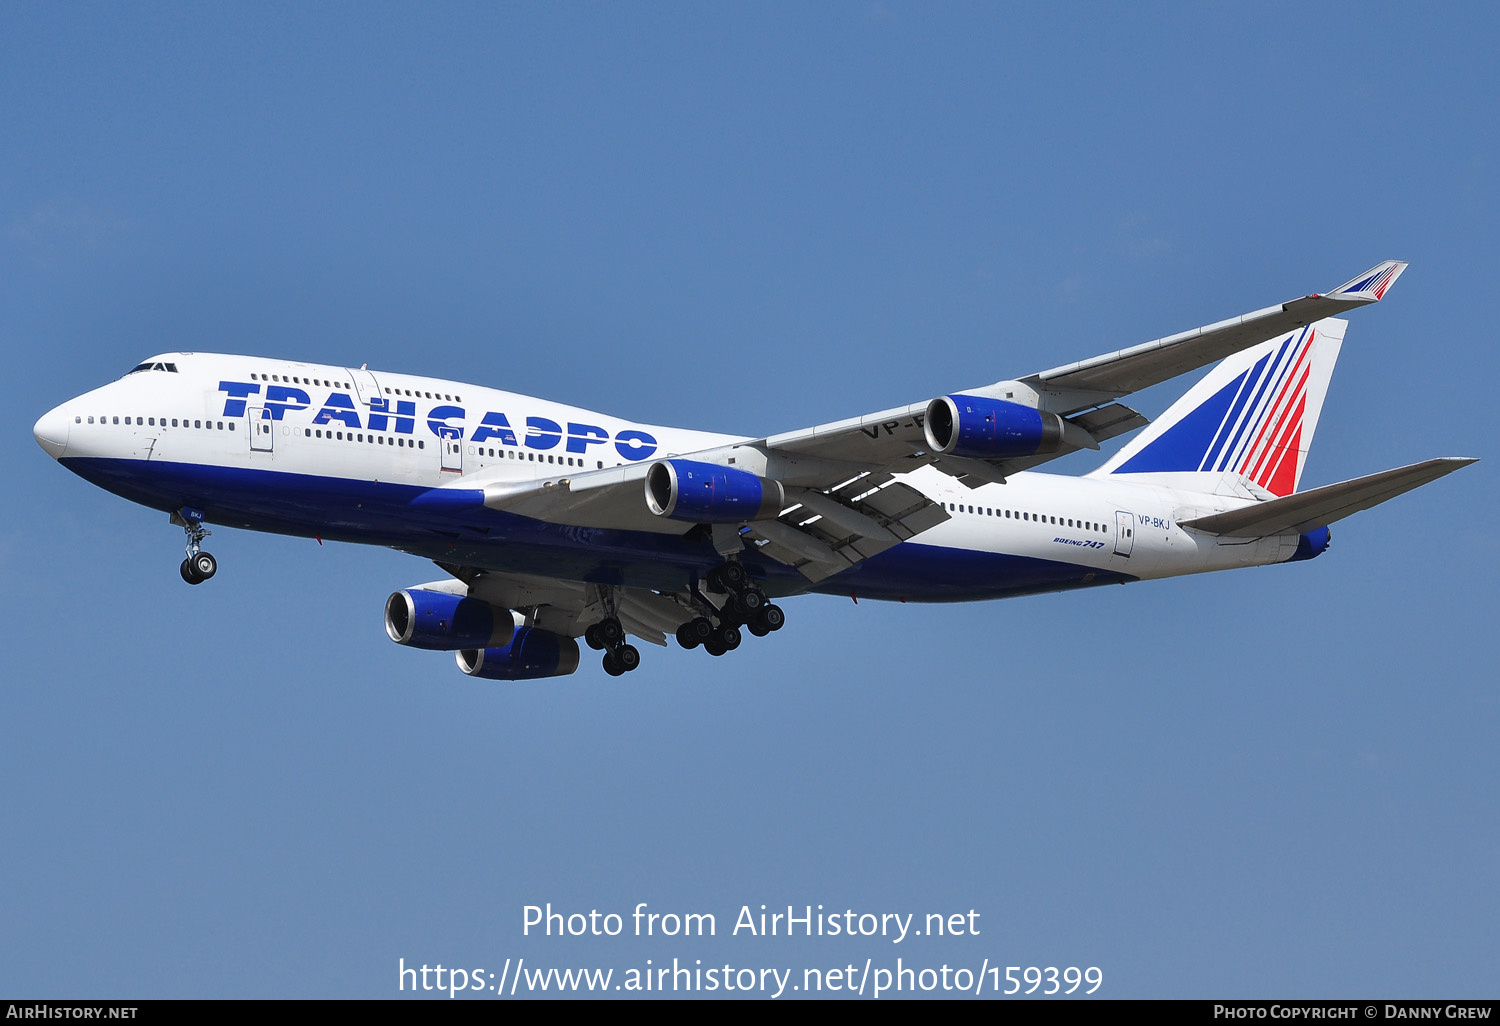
(610, 632)
(627, 657)
(187, 572)
(756, 629)
(729, 636)
(204, 566)
(714, 647)
(752, 600)
(695, 632)
(612, 665)
(771, 618)
(591, 636)
(733, 576)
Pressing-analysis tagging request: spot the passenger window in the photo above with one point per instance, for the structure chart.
(117, 420)
(91, 420)
(421, 445)
(198, 424)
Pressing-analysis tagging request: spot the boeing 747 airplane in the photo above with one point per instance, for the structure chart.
(553, 523)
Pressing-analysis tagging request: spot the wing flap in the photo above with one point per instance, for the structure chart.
(1318, 507)
(820, 545)
(1106, 422)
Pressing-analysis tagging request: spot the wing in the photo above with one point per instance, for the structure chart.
(1082, 393)
(1117, 374)
(828, 516)
(567, 607)
(840, 482)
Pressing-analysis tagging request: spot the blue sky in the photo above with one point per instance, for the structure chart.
(1274, 782)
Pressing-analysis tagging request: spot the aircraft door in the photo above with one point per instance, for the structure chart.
(366, 385)
(452, 443)
(1124, 533)
(262, 429)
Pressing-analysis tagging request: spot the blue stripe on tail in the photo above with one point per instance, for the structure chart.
(1181, 447)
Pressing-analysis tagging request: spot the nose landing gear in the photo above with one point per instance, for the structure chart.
(199, 566)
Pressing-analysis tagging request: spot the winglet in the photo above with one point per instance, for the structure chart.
(1370, 286)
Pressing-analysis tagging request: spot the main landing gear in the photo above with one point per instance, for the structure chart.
(199, 566)
(609, 636)
(745, 606)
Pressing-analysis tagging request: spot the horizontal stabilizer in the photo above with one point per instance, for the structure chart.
(1306, 511)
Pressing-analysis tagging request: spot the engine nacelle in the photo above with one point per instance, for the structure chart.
(531, 655)
(708, 494)
(973, 425)
(1311, 544)
(444, 622)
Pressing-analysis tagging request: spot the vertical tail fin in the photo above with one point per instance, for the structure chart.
(1252, 417)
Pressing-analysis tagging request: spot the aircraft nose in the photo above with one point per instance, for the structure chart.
(51, 432)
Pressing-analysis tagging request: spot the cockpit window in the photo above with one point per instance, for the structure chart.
(170, 368)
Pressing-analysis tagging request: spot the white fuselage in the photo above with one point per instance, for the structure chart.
(277, 445)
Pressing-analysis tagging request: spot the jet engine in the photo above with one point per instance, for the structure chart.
(531, 655)
(445, 622)
(709, 494)
(1311, 544)
(983, 428)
